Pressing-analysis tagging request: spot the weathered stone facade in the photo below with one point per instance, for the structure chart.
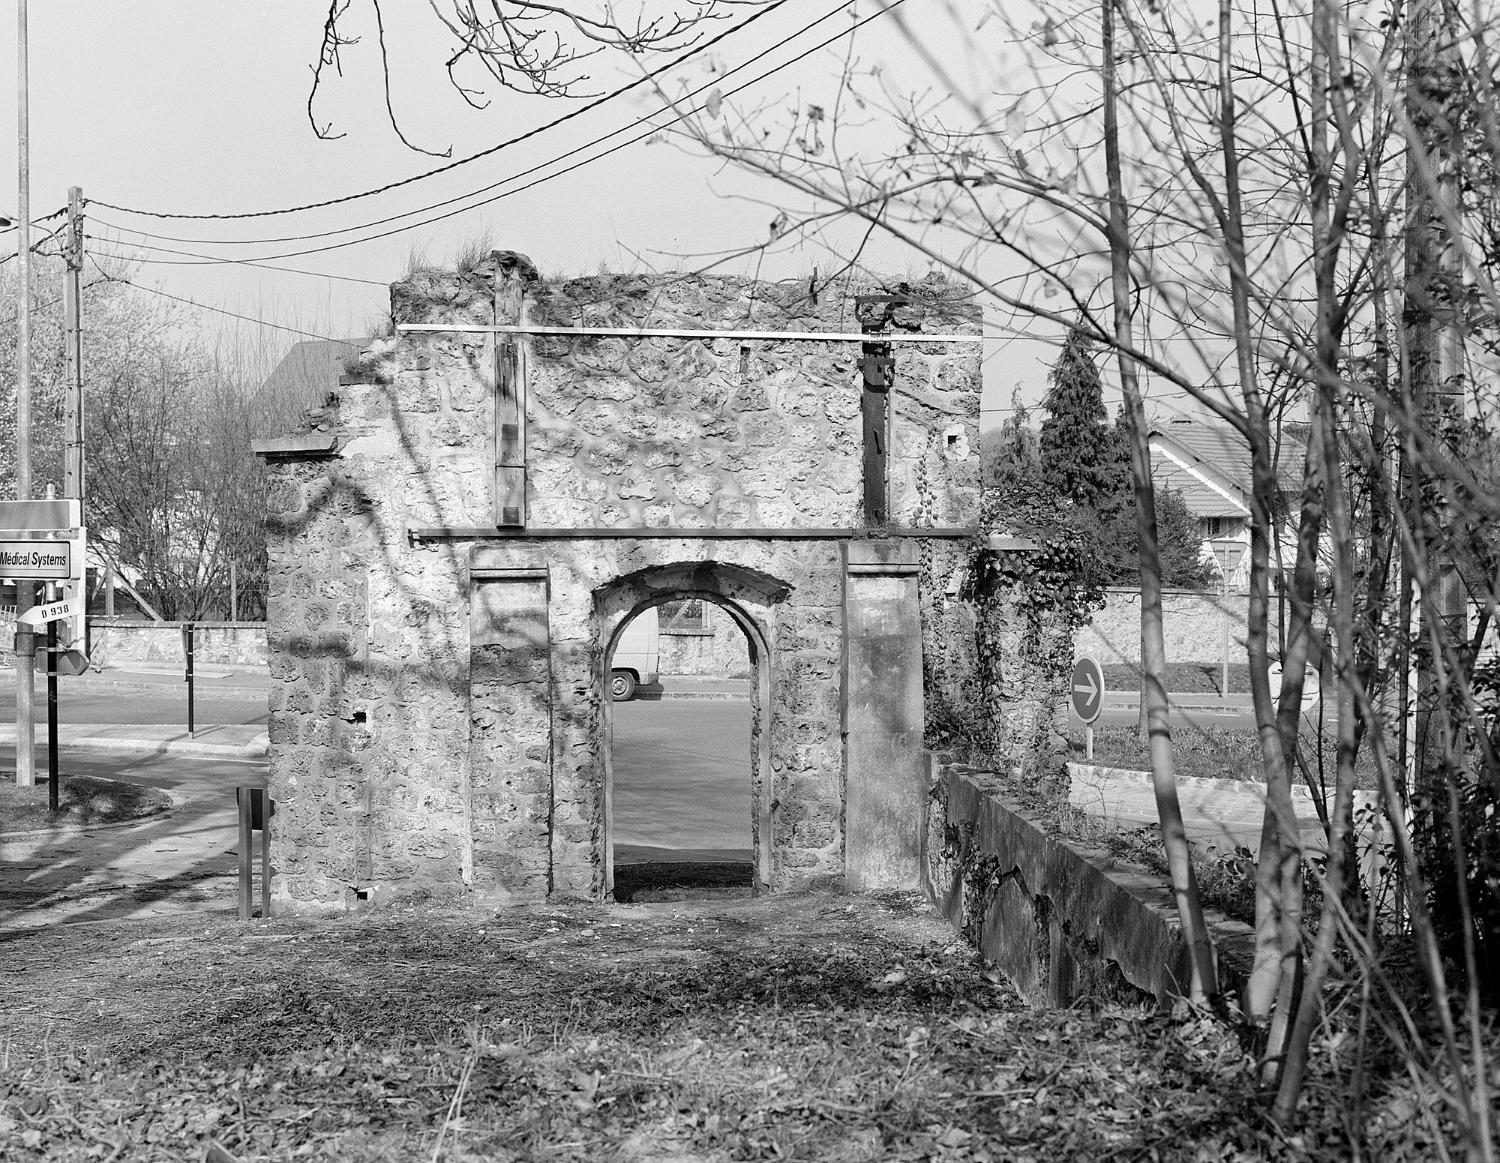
(437, 716)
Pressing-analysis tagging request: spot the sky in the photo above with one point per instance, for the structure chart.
(162, 108)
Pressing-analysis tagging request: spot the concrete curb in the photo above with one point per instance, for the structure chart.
(703, 696)
(204, 688)
(254, 748)
(1095, 771)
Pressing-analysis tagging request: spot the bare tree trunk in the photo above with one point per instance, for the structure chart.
(1269, 963)
(1299, 1033)
(1204, 987)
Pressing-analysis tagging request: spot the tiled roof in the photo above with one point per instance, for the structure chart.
(1201, 498)
(1205, 453)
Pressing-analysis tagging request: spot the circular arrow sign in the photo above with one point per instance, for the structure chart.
(1088, 689)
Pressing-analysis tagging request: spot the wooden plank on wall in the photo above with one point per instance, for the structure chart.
(510, 435)
(878, 369)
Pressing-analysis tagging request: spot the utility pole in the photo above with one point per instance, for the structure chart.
(25, 640)
(73, 348)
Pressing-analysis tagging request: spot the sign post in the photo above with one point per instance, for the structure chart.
(1227, 553)
(52, 776)
(43, 540)
(1088, 698)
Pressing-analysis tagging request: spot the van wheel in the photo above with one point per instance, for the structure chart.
(621, 686)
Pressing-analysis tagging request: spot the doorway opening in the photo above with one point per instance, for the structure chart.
(683, 755)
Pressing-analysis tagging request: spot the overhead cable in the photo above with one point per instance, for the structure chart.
(650, 131)
(216, 310)
(195, 259)
(644, 119)
(494, 149)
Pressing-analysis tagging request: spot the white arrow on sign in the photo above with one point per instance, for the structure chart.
(51, 612)
(1088, 689)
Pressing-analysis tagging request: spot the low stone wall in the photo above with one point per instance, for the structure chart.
(1060, 921)
(719, 649)
(1192, 623)
(113, 642)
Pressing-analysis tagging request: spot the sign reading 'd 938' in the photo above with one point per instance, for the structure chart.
(49, 560)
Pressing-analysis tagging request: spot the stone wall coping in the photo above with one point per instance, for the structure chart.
(117, 621)
(1169, 591)
(312, 444)
(1144, 940)
(885, 556)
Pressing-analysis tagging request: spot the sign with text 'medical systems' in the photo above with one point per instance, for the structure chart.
(46, 560)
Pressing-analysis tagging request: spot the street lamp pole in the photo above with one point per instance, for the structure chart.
(25, 642)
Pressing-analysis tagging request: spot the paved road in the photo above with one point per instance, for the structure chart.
(91, 704)
(682, 780)
(682, 791)
(1233, 712)
(183, 862)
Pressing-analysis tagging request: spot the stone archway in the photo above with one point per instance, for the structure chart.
(459, 532)
(748, 598)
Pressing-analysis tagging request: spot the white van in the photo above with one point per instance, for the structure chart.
(635, 660)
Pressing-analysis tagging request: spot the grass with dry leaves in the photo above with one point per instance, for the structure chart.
(812, 1027)
(81, 800)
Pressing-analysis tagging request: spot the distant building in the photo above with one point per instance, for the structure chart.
(1208, 462)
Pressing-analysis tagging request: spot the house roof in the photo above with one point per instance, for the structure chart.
(306, 373)
(1209, 463)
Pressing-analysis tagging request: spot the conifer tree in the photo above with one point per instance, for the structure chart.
(1077, 443)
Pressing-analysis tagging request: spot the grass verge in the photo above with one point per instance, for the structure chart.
(81, 799)
(793, 1027)
(1211, 752)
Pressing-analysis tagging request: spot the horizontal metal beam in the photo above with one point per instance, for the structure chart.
(689, 333)
(616, 533)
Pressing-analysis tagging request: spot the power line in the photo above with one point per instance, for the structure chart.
(644, 119)
(12, 224)
(652, 130)
(212, 260)
(530, 133)
(216, 310)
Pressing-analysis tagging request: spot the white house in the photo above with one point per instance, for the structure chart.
(1208, 462)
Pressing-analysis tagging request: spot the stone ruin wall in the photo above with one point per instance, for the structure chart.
(730, 433)
(388, 773)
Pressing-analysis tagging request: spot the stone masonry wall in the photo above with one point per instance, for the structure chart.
(730, 433)
(437, 707)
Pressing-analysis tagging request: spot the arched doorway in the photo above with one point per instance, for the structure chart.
(710, 829)
(681, 754)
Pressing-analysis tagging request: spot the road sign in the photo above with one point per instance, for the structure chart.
(42, 560)
(69, 662)
(43, 516)
(1088, 689)
(51, 612)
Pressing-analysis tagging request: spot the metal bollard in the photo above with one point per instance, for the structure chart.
(187, 652)
(255, 808)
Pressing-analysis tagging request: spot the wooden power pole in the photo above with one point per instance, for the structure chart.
(73, 349)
